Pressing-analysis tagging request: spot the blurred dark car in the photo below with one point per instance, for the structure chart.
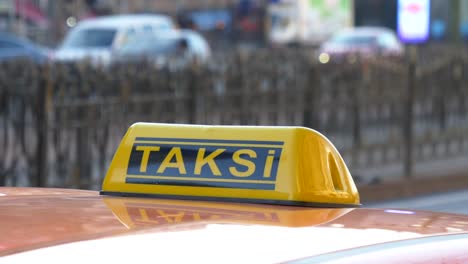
(13, 47)
(178, 48)
(362, 41)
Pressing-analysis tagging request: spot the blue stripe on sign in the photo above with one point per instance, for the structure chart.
(193, 145)
(258, 186)
(279, 143)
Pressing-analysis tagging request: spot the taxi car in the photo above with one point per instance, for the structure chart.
(221, 194)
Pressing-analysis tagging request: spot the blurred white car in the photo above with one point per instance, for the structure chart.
(363, 41)
(97, 39)
(178, 49)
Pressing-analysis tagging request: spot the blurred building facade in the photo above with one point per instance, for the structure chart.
(376, 13)
(25, 17)
(45, 21)
(448, 19)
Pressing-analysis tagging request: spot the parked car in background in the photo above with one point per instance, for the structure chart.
(13, 47)
(178, 48)
(96, 39)
(363, 41)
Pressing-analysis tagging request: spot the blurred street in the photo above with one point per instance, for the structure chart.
(385, 81)
(451, 202)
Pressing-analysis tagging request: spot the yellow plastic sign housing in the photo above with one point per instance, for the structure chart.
(257, 164)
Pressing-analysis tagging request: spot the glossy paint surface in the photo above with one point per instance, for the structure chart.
(65, 224)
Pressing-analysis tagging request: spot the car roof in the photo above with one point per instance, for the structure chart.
(122, 21)
(366, 30)
(24, 42)
(140, 214)
(171, 34)
(207, 229)
(17, 39)
(6, 35)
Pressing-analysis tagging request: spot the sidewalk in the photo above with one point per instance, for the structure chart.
(451, 202)
(429, 177)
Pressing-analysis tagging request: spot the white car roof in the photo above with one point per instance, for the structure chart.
(123, 21)
(366, 30)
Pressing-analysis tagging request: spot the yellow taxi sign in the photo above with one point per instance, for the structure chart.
(275, 165)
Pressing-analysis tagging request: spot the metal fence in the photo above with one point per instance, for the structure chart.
(61, 123)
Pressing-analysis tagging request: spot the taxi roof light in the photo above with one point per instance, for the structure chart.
(260, 164)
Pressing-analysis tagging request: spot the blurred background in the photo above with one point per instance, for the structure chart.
(385, 80)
